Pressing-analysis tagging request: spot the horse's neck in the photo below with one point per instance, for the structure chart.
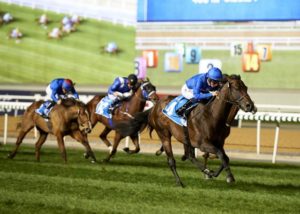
(136, 103)
(220, 109)
(72, 112)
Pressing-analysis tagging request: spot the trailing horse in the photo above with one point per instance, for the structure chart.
(144, 91)
(206, 126)
(68, 118)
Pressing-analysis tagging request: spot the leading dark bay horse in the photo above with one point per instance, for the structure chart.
(206, 126)
(68, 118)
(136, 103)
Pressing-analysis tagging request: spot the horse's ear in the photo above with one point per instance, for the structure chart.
(224, 79)
(147, 79)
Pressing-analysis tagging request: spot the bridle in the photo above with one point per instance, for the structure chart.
(79, 119)
(235, 102)
(147, 91)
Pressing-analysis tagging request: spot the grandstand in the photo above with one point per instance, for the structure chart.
(217, 36)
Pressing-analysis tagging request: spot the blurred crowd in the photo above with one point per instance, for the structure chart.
(67, 25)
(59, 29)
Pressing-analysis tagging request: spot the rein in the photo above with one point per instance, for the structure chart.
(145, 96)
(235, 102)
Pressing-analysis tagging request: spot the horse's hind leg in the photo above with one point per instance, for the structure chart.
(39, 143)
(172, 163)
(136, 141)
(103, 137)
(159, 151)
(189, 152)
(117, 140)
(61, 146)
(166, 143)
(25, 128)
(77, 135)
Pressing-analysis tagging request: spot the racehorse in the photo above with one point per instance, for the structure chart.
(206, 126)
(68, 118)
(144, 91)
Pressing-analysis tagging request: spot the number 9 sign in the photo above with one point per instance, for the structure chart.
(193, 55)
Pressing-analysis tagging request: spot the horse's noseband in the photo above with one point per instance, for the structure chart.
(146, 92)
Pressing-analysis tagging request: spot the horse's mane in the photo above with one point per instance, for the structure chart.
(232, 76)
(69, 102)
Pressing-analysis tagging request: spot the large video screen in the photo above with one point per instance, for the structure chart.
(218, 10)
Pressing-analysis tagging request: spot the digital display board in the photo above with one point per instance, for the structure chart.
(217, 10)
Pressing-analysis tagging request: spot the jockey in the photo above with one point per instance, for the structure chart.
(121, 89)
(200, 87)
(58, 89)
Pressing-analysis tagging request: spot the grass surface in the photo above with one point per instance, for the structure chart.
(140, 184)
(77, 56)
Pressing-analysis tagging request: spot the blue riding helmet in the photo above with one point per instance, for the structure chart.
(67, 84)
(215, 74)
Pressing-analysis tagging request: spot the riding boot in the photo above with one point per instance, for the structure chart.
(49, 104)
(44, 109)
(113, 106)
(182, 109)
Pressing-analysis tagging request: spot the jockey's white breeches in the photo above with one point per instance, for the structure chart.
(112, 97)
(186, 92)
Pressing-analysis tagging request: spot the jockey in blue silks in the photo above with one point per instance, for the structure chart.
(200, 87)
(121, 89)
(58, 89)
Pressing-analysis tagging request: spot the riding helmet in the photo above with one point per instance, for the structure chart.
(215, 74)
(132, 79)
(67, 84)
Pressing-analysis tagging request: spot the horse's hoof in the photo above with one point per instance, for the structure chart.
(126, 149)
(158, 153)
(183, 158)
(208, 177)
(230, 179)
(106, 160)
(180, 184)
(93, 161)
(10, 156)
(85, 155)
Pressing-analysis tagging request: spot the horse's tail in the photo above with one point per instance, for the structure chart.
(129, 127)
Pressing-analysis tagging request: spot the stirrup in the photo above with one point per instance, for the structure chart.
(180, 112)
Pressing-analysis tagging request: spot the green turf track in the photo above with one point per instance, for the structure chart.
(77, 56)
(140, 184)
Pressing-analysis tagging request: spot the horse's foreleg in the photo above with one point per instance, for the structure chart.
(77, 135)
(224, 165)
(23, 132)
(103, 137)
(39, 143)
(205, 157)
(117, 140)
(61, 146)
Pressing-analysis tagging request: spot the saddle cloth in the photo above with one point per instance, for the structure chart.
(170, 110)
(102, 107)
